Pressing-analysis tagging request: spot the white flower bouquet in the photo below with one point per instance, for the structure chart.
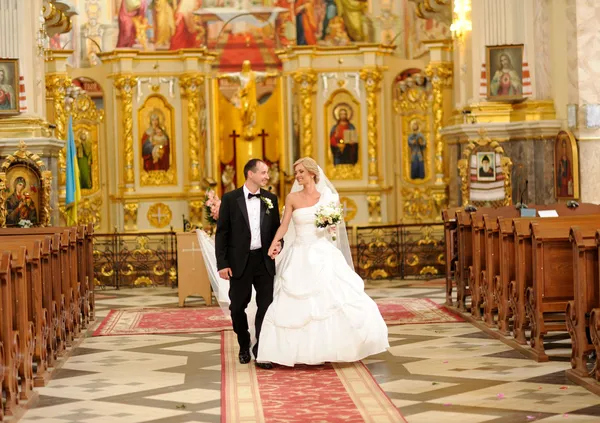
(328, 216)
(25, 223)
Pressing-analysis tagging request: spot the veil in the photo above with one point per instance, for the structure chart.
(325, 188)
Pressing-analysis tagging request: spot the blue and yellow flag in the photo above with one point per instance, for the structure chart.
(73, 194)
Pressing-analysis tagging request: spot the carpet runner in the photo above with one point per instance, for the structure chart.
(143, 321)
(335, 393)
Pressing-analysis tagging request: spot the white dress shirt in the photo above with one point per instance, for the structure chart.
(253, 207)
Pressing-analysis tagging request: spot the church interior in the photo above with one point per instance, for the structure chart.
(461, 136)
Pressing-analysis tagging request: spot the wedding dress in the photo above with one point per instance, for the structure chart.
(320, 312)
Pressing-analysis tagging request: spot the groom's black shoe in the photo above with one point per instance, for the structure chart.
(266, 366)
(244, 357)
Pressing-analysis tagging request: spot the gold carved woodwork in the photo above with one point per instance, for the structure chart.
(24, 157)
(374, 202)
(125, 85)
(342, 99)
(192, 90)
(441, 77)
(196, 209)
(89, 211)
(56, 90)
(423, 204)
(130, 215)
(372, 78)
(87, 118)
(350, 208)
(305, 84)
(484, 144)
(159, 215)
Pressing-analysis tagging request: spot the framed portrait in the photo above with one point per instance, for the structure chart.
(156, 131)
(486, 166)
(566, 166)
(342, 135)
(504, 72)
(23, 195)
(9, 87)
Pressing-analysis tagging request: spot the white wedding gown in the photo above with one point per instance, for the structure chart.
(320, 312)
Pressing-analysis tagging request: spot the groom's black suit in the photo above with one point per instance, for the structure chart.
(232, 247)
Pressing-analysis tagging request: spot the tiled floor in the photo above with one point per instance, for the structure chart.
(433, 373)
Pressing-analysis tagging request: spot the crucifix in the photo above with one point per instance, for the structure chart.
(234, 136)
(263, 134)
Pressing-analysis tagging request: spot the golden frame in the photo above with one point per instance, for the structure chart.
(569, 138)
(425, 126)
(14, 81)
(344, 171)
(87, 118)
(464, 164)
(33, 161)
(158, 177)
(491, 53)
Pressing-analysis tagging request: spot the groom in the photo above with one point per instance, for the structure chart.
(248, 221)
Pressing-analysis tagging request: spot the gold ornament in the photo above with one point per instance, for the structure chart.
(88, 211)
(441, 77)
(374, 201)
(372, 78)
(125, 85)
(196, 208)
(159, 215)
(130, 211)
(192, 90)
(305, 83)
(350, 208)
(56, 90)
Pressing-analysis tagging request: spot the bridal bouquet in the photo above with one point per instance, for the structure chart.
(211, 206)
(328, 216)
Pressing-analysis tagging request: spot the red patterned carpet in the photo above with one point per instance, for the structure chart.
(397, 311)
(332, 393)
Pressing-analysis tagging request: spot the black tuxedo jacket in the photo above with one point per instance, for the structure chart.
(232, 240)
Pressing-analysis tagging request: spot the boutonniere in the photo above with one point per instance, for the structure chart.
(268, 203)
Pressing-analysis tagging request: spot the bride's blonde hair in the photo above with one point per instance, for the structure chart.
(310, 165)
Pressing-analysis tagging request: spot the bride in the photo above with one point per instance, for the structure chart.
(320, 312)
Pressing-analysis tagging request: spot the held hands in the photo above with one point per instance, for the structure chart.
(274, 250)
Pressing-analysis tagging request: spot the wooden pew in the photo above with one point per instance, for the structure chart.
(38, 274)
(451, 246)
(586, 296)
(552, 286)
(10, 337)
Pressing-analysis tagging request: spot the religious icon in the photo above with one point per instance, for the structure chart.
(417, 145)
(22, 203)
(9, 86)
(505, 72)
(343, 138)
(566, 168)
(83, 146)
(306, 22)
(156, 146)
(486, 166)
(245, 98)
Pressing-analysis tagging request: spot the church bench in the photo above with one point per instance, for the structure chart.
(586, 296)
(451, 246)
(552, 282)
(39, 275)
(10, 337)
(480, 294)
(500, 260)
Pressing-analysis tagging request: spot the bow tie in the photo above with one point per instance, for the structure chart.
(250, 195)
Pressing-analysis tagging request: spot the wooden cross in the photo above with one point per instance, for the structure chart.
(234, 136)
(263, 135)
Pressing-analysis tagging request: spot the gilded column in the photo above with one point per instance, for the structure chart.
(191, 85)
(125, 85)
(372, 78)
(440, 75)
(305, 83)
(56, 90)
